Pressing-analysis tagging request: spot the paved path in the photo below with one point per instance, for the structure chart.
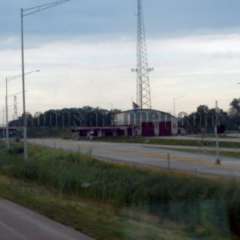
(18, 223)
(149, 155)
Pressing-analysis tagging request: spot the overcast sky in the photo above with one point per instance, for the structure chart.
(85, 50)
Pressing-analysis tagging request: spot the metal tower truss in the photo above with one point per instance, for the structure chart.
(142, 70)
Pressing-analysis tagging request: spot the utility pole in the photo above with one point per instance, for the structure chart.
(69, 119)
(7, 79)
(7, 124)
(15, 108)
(218, 161)
(56, 120)
(44, 120)
(50, 120)
(3, 116)
(174, 105)
(206, 122)
(97, 118)
(23, 87)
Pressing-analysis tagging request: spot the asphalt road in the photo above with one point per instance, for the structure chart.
(18, 223)
(149, 155)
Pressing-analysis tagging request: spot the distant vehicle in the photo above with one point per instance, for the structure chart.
(90, 135)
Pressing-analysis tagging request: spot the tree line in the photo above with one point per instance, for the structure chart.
(203, 119)
(68, 118)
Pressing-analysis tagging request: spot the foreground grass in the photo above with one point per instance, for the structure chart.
(99, 221)
(81, 191)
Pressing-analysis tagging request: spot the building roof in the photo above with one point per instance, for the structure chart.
(146, 110)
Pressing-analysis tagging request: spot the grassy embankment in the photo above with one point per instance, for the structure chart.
(212, 152)
(183, 143)
(64, 133)
(201, 145)
(173, 142)
(109, 201)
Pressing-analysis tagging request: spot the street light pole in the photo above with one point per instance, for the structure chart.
(23, 88)
(3, 116)
(174, 107)
(56, 120)
(25, 13)
(218, 161)
(7, 79)
(7, 125)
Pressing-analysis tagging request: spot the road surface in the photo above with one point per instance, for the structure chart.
(149, 155)
(18, 223)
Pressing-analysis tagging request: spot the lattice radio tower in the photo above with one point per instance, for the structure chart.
(142, 70)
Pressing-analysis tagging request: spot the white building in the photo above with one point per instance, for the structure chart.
(147, 122)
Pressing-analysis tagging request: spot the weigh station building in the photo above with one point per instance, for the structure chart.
(134, 123)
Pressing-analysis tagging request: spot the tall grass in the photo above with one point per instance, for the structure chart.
(50, 133)
(206, 206)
